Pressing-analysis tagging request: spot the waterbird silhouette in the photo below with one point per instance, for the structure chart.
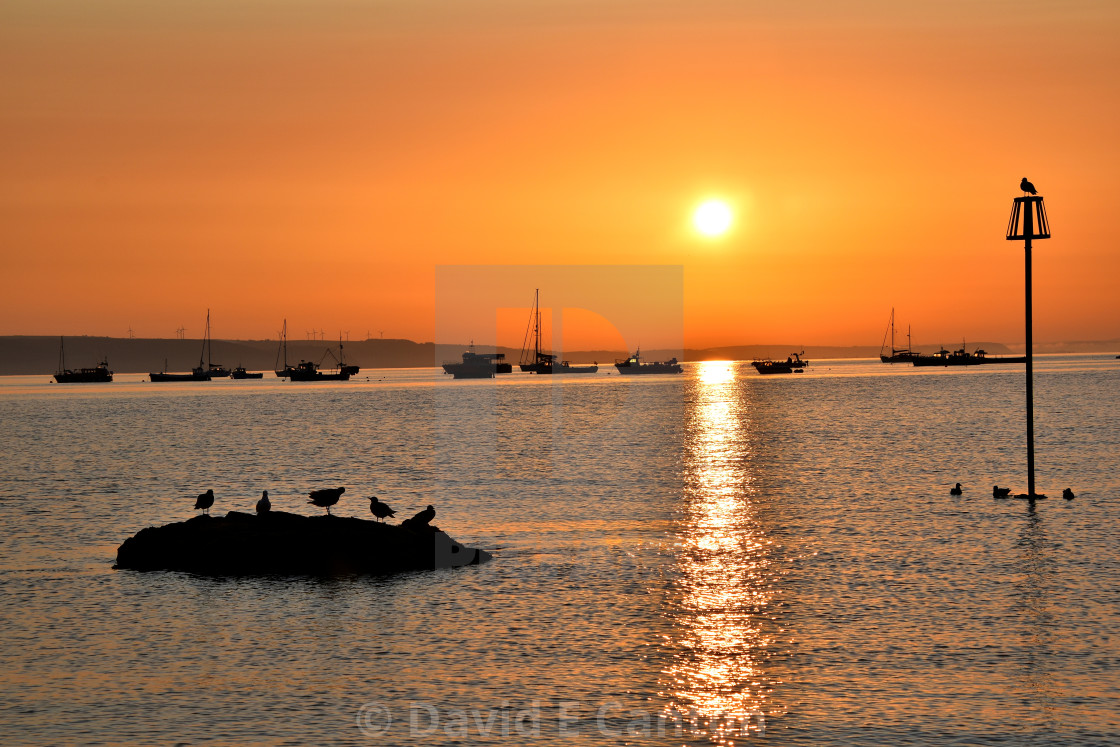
(379, 509)
(1068, 494)
(264, 505)
(998, 492)
(205, 501)
(1027, 187)
(326, 497)
(956, 491)
(424, 517)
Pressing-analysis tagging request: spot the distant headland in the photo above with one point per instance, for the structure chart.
(29, 355)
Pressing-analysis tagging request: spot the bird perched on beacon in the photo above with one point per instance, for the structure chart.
(326, 497)
(264, 505)
(1068, 494)
(379, 509)
(998, 492)
(205, 501)
(424, 518)
(956, 491)
(1027, 187)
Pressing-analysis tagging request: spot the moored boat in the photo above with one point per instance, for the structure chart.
(793, 364)
(308, 371)
(347, 368)
(564, 367)
(633, 366)
(477, 365)
(283, 372)
(962, 357)
(198, 373)
(897, 355)
(538, 362)
(98, 374)
(241, 373)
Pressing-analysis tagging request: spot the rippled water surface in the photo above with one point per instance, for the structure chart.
(716, 557)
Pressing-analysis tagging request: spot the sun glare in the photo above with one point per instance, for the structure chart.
(712, 218)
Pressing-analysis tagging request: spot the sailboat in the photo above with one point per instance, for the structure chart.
(64, 375)
(199, 373)
(897, 355)
(545, 363)
(216, 369)
(285, 371)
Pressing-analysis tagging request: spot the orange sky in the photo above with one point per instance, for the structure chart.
(319, 161)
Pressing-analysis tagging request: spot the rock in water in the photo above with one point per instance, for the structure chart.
(283, 543)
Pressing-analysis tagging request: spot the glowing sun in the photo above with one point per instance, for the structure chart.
(712, 218)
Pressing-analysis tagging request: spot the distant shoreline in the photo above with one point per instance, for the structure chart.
(28, 355)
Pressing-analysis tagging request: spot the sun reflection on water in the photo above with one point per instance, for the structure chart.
(723, 624)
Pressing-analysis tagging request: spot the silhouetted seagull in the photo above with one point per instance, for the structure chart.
(1027, 187)
(205, 501)
(956, 491)
(998, 492)
(1068, 494)
(264, 505)
(424, 517)
(379, 509)
(326, 497)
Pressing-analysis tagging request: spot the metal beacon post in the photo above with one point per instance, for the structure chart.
(1028, 222)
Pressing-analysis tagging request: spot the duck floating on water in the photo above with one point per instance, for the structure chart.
(1068, 494)
(998, 492)
(956, 490)
(326, 497)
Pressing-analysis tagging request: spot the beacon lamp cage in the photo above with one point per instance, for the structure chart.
(1028, 222)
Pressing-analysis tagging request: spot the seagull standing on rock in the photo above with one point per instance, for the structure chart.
(1027, 187)
(264, 505)
(205, 501)
(326, 497)
(379, 509)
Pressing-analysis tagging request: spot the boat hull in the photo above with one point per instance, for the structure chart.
(467, 371)
(648, 368)
(558, 369)
(769, 367)
(193, 376)
(318, 376)
(969, 360)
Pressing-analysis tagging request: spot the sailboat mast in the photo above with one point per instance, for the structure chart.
(205, 339)
(892, 330)
(537, 325)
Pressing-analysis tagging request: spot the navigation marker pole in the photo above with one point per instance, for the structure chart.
(1032, 225)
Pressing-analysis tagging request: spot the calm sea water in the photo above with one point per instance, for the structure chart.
(716, 557)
